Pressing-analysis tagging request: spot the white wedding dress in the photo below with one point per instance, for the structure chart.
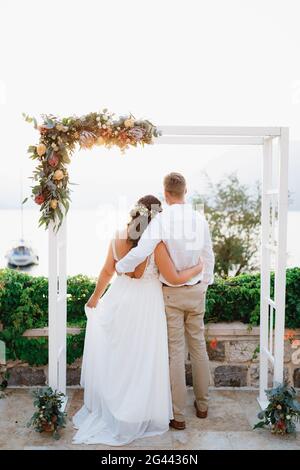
(125, 368)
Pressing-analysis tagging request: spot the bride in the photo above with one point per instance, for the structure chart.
(125, 369)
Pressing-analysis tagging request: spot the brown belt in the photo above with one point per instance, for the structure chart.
(184, 285)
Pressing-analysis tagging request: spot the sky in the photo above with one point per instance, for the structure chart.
(189, 62)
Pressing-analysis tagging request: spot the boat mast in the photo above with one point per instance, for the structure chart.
(21, 200)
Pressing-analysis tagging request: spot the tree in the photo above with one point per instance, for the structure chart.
(233, 212)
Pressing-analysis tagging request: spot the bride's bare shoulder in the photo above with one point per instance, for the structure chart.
(121, 242)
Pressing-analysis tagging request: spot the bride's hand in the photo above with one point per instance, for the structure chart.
(93, 301)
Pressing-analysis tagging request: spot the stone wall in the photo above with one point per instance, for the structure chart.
(233, 350)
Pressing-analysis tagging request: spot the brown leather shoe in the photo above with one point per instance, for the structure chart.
(178, 425)
(199, 413)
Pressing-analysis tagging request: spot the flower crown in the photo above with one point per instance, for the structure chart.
(144, 211)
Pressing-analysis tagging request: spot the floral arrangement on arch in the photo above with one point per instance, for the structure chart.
(58, 141)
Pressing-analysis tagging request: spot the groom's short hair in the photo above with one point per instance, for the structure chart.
(175, 184)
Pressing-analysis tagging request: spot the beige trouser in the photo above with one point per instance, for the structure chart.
(185, 308)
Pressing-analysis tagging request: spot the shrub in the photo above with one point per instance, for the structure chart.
(238, 299)
(24, 305)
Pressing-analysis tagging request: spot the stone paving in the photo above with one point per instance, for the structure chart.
(232, 414)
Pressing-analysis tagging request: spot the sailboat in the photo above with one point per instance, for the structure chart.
(21, 254)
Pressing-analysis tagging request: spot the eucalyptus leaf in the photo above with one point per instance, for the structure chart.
(259, 425)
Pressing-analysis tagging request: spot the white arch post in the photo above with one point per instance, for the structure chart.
(273, 238)
(57, 307)
(273, 242)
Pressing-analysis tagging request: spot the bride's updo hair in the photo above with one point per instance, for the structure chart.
(140, 216)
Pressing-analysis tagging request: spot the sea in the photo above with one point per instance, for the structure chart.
(88, 236)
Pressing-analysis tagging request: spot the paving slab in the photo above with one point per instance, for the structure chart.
(232, 414)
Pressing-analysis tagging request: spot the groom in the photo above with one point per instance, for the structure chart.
(186, 235)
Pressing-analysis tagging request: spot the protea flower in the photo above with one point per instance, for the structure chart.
(53, 160)
(87, 139)
(137, 133)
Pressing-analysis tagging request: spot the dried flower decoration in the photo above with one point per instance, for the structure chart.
(58, 140)
(139, 209)
(142, 210)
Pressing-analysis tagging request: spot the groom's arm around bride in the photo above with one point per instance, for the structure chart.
(186, 234)
(184, 231)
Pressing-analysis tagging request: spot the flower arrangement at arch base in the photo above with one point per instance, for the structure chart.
(48, 416)
(58, 141)
(282, 412)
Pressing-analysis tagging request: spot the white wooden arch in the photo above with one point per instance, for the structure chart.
(273, 243)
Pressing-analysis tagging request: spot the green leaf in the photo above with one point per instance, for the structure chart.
(30, 119)
(259, 425)
(261, 415)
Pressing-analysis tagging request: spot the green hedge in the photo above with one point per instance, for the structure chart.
(24, 303)
(238, 299)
